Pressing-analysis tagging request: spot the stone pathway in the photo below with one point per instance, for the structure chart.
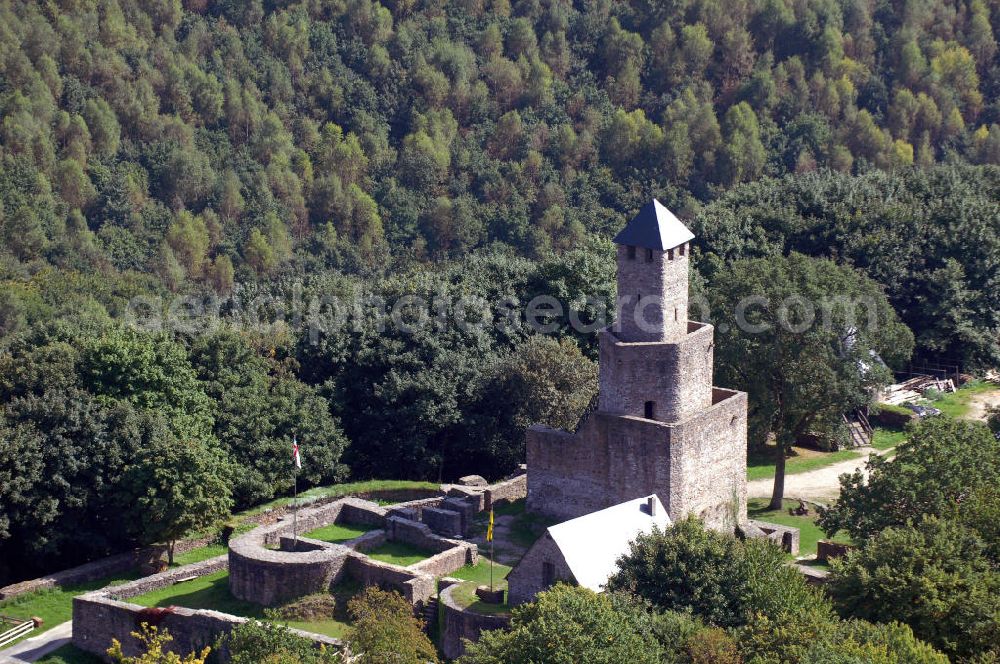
(505, 550)
(36, 647)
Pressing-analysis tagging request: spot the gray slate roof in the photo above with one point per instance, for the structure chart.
(655, 227)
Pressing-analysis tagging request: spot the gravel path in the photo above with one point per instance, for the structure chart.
(821, 485)
(979, 403)
(39, 646)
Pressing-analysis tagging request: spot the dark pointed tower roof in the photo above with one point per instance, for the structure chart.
(655, 227)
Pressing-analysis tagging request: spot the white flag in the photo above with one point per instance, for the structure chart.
(295, 454)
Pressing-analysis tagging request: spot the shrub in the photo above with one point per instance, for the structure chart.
(934, 577)
(715, 576)
(320, 606)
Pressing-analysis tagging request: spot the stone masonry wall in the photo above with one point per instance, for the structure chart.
(708, 463)
(664, 283)
(270, 578)
(507, 491)
(416, 587)
(103, 615)
(98, 619)
(526, 580)
(676, 377)
(449, 561)
(697, 466)
(458, 624)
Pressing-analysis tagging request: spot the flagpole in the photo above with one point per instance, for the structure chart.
(295, 500)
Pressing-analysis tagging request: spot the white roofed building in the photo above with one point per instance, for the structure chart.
(584, 550)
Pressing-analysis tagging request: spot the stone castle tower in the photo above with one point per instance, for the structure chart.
(660, 427)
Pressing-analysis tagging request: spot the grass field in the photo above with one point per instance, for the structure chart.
(956, 404)
(480, 573)
(199, 554)
(809, 532)
(398, 553)
(212, 592)
(465, 597)
(339, 490)
(884, 438)
(761, 466)
(337, 533)
(54, 606)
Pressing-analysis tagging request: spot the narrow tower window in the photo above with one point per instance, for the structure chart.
(650, 410)
(631, 253)
(649, 255)
(670, 254)
(681, 249)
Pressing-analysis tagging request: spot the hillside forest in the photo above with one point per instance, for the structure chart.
(231, 150)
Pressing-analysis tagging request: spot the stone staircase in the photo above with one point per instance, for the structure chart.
(430, 614)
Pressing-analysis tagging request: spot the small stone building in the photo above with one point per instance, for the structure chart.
(584, 550)
(660, 427)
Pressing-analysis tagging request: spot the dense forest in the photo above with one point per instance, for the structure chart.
(482, 148)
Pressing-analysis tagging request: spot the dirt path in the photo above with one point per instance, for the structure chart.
(822, 484)
(979, 403)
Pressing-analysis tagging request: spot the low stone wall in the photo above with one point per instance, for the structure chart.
(418, 535)
(813, 575)
(444, 522)
(459, 624)
(270, 578)
(825, 549)
(787, 537)
(414, 509)
(448, 561)
(120, 563)
(507, 491)
(97, 620)
(156, 581)
(103, 615)
(416, 587)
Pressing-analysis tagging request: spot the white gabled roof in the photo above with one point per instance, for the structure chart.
(593, 543)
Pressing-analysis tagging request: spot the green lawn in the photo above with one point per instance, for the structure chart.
(69, 655)
(398, 553)
(884, 438)
(337, 532)
(340, 490)
(761, 466)
(465, 597)
(212, 592)
(480, 572)
(200, 554)
(54, 605)
(809, 532)
(956, 404)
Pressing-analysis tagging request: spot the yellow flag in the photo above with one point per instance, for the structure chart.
(489, 531)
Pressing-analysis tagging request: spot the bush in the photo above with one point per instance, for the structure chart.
(255, 642)
(571, 624)
(385, 630)
(934, 577)
(320, 606)
(715, 576)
